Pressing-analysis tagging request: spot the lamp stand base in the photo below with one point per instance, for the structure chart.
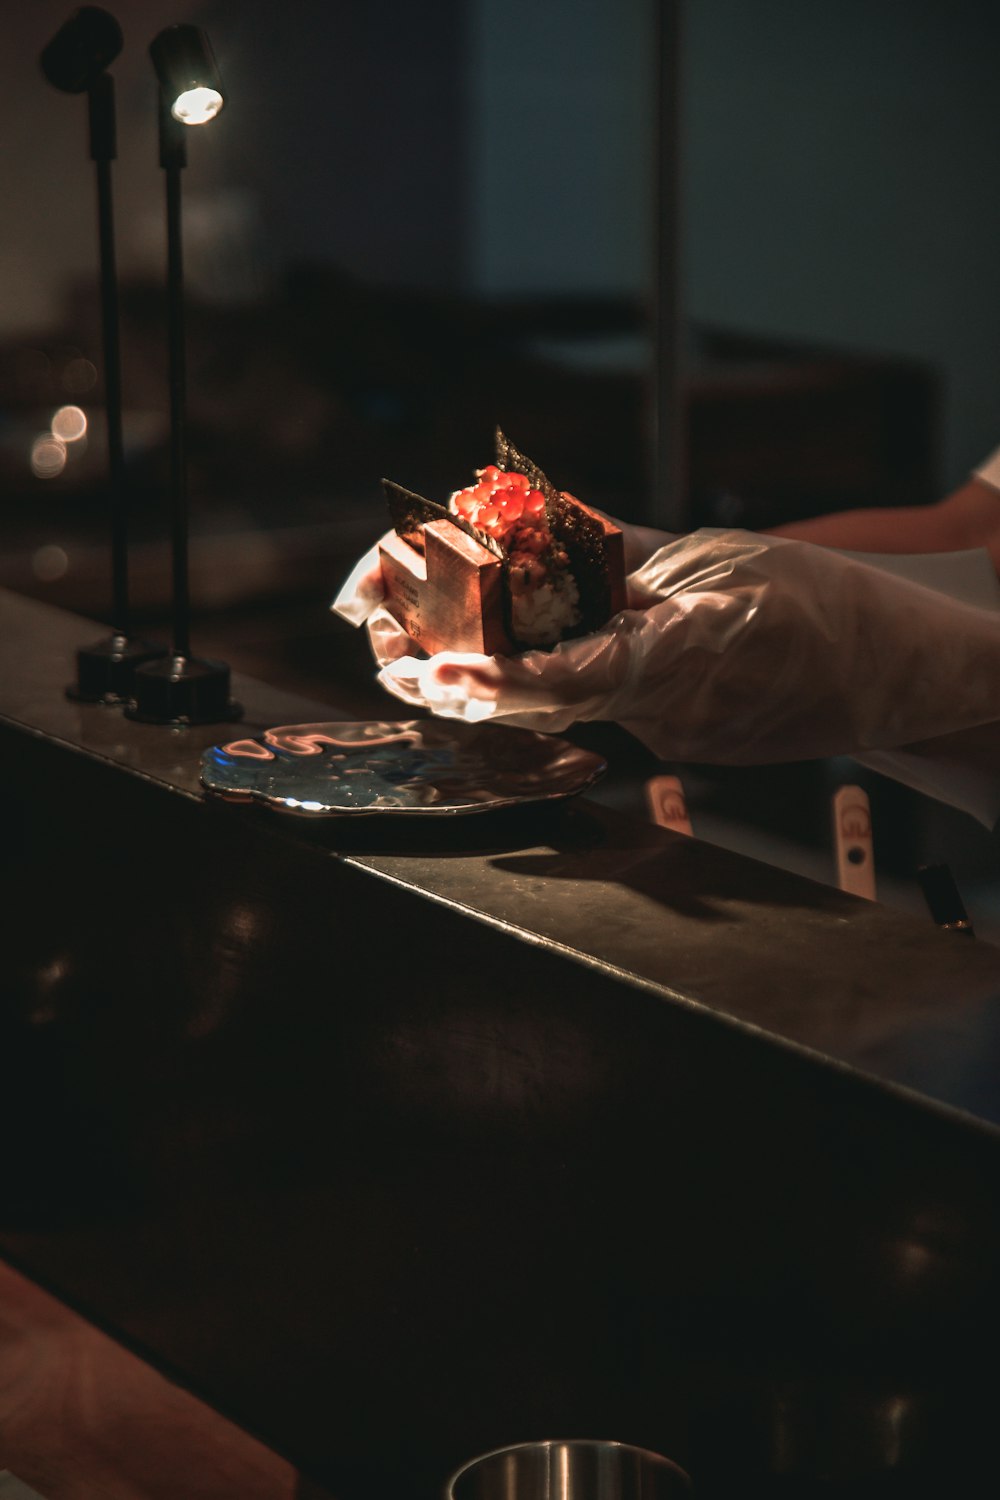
(104, 670)
(182, 690)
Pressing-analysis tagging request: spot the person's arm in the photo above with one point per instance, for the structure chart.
(969, 517)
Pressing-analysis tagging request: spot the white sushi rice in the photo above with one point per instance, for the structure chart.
(542, 616)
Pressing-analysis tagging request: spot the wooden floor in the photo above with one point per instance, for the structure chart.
(81, 1418)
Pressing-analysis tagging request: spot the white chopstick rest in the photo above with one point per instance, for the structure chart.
(667, 803)
(852, 839)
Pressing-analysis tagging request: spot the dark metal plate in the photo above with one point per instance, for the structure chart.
(411, 767)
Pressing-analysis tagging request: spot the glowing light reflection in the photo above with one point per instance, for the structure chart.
(915, 1259)
(896, 1415)
(307, 740)
(48, 978)
(48, 456)
(241, 923)
(197, 106)
(70, 424)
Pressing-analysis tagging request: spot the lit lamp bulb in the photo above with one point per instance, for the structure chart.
(197, 106)
(188, 75)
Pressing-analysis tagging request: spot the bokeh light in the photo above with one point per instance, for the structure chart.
(49, 563)
(79, 376)
(48, 456)
(70, 424)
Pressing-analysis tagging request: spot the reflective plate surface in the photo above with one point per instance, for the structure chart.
(419, 766)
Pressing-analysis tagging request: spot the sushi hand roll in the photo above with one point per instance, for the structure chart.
(509, 564)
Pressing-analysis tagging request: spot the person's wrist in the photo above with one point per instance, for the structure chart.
(988, 472)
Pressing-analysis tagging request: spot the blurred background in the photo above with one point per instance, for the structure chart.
(410, 224)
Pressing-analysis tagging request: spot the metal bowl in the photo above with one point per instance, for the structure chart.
(574, 1469)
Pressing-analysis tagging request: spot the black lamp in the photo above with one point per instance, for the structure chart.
(75, 61)
(189, 79)
(181, 689)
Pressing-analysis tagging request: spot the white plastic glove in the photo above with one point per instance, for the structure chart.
(738, 649)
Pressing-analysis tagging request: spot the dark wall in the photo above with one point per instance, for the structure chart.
(351, 122)
(840, 170)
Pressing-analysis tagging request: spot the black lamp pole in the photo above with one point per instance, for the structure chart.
(102, 150)
(75, 61)
(173, 157)
(180, 688)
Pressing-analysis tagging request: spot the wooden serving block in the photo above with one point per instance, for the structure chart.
(449, 599)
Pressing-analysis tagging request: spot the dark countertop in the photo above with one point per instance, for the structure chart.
(854, 982)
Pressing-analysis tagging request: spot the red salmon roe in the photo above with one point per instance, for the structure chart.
(506, 507)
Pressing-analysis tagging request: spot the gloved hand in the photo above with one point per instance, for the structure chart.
(736, 649)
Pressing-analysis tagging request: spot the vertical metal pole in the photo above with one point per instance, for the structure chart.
(178, 689)
(103, 152)
(173, 159)
(669, 507)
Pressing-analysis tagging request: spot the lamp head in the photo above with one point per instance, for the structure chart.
(81, 50)
(189, 77)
